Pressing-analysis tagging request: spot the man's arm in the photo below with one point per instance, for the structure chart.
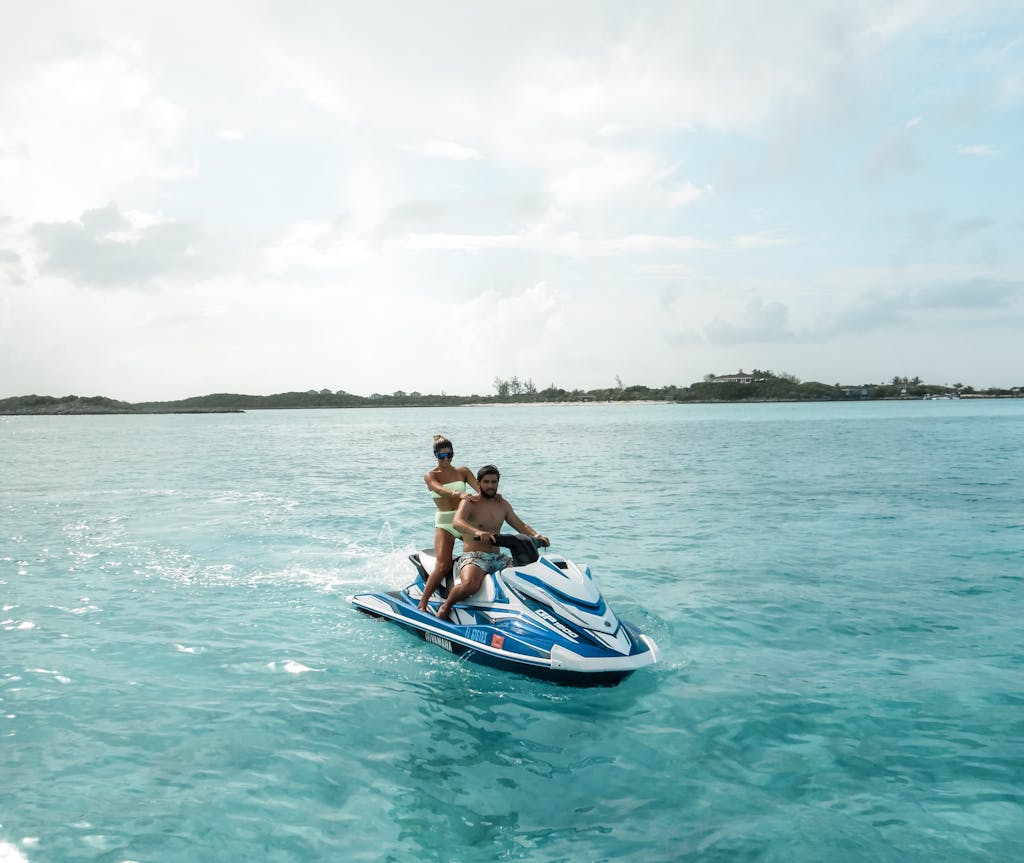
(461, 520)
(522, 526)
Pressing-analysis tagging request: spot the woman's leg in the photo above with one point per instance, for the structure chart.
(444, 544)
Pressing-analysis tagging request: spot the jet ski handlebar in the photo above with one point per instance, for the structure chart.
(524, 549)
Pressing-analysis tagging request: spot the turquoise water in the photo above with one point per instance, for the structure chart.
(837, 591)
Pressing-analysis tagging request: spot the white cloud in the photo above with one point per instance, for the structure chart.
(896, 156)
(761, 240)
(460, 242)
(688, 193)
(81, 130)
(107, 248)
(445, 150)
(583, 176)
(315, 245)
(647, 243)
(978, 150)
(621, 179)
(667, 270)
(758, 322)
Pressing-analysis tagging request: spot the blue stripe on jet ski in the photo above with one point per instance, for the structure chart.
(478, 635)
(585, 643)
(499, 594)
(585, 571)
(449, 636)
(599, 607)
(551, 566)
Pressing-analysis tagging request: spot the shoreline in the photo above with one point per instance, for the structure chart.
(64, 410)
(122, 413)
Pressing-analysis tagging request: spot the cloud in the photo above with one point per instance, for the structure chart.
(12, 271)
(979, 293)
(688, 193)
(83, 128)
(649, 243)
(895, 156)
(842, 304)
(444, 150)
(106, 248)
(460, 214)
(978, 150)
(670, 270)
(758, 322)
(460, 242)
(971, 226)
(761, 240)
(583, 176)
(917, 298)
(619, 180)
(321, 245)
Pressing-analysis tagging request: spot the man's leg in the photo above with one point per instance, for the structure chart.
(471, 577)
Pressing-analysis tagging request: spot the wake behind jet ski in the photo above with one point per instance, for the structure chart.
(540, 615)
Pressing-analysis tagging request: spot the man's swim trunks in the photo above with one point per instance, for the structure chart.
(488, 561)
(444, 520)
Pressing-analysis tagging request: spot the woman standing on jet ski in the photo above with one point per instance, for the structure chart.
(447, 485)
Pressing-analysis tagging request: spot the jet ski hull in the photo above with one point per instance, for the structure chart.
(502, 627)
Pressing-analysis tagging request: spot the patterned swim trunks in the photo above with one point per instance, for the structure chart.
(488, 561)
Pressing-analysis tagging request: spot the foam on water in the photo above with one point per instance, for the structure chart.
(11, 853)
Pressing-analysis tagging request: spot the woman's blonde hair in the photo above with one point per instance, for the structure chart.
(440, 442)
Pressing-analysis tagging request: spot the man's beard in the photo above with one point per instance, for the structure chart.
(489, 492)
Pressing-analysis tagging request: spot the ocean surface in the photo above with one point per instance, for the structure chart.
(837, 591)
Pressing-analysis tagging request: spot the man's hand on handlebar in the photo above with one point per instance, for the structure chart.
(503, 539)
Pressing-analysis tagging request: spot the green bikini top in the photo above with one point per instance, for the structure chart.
(457, 485)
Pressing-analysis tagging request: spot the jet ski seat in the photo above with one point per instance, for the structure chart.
(485, 595)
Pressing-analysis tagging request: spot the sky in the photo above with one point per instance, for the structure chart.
(257, 197)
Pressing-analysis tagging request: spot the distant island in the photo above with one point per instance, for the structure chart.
(755, 386)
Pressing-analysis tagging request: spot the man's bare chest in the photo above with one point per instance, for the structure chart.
(489, 515)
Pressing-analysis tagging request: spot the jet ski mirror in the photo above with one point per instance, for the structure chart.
(523, 548)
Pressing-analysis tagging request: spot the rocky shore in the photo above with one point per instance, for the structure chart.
(52, 406)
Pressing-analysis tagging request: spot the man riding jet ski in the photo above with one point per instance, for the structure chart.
(539, 615)
(479, 520)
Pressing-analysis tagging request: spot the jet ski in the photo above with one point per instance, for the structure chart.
(541, 615)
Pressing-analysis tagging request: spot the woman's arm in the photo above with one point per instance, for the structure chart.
(438, 487)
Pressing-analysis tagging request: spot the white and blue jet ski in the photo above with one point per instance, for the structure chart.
(541, 615)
